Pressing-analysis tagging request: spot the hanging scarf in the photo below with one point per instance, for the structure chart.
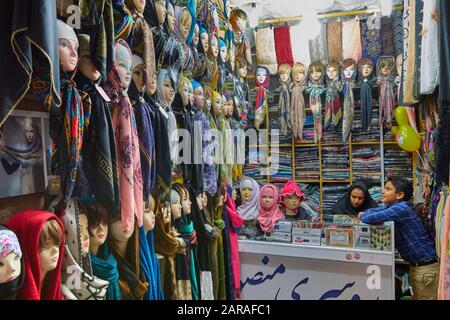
(283, 47)
(99, 150)
(143, 115)
(10, 244)
(123, 21)
(397, 26)
(220, 224)
(370, 39)
(249, 210)
(269, 215)
(191, 6)
(298, 107)
(349, 101)
(315, 90)
(284, 109)
(262, 97)
(365, 85)
(333, 106)
(387, 95)
(318, 47)
(28, 225)
(334, 41)
(229, 278)
(127, 146)
(265, 49)
(351, 36)
(300, 47)
(387, 36)
(104, 266)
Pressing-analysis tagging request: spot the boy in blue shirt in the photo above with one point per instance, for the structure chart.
(411, 239)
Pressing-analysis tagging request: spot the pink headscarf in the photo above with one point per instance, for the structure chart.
(269, 215)
(289, 189)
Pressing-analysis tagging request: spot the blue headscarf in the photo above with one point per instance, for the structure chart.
(104, 266)
(191, 6)
(222, 43)
(195, 84)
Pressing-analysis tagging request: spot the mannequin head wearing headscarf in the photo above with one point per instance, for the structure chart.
(217, 105)
(241, 68)
(291, 197)
(262, 77)
(11, 264)
(365, 73)
(299, 73)
(183, 90)
(316, 72)
(203, 44)
(198, 94)
(183, 23)
(249, 190)
(68, 47)
(165, 88)
(222, 51)
(385, 79)
(213, 51)
(269, 212)
(195, 36)
(365, 68)
(238, 20)
(332, 70)
(348, 70)
(87, 68)
(155, 12)
(136, 6)
(138, 73)
(169, 24)
(175, 205)
(356, 200)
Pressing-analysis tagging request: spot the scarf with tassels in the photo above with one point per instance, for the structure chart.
(315, 90)
(349, 103)
(365, 85)
(387, 95)
(298, 113)
(333, 107)
(127, 146)
(262, 97)
(284, 109)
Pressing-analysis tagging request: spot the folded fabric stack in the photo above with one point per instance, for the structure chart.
(372, 133)
(335, 163)
(281, 164)
(312, 195)
(332, 135)
(308, 130)
(376, 194)
(367, 164)
(253, 167)
(398, 163)
(331, 194)
(307, 163)
(275, 125)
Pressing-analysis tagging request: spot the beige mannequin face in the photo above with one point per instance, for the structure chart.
(169, 92)
(292, 202)
(167, 214)
(299, 76)
(284, 77)
(366, 70)
(86, 66)
(214, 47)
(68, 54)
(186, 23)
(84, 234)
(217, 106)
(229, 107)
(124, 64)
(246, 194)
(199, 99)
(138, 78)
(48, 257)
(171, 18)
(243, 72)
(161, 12)
(316, 74)
(175, 208)
(149, 215)
(184, 93)
(196, 37)
(205, 41)
(223, 54)
(186, 203)
(349, 71)
(261, 75)
(10, 267)
(151, 87)
(205, 199)
(200, 201)
(332, 73)
(98, 235)
(119, 232)
(140, 5)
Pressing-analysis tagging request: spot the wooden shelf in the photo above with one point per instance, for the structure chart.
(307, 181)
(336, 181)
(306, 145)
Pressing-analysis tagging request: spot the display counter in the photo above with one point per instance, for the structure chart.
(288, 271)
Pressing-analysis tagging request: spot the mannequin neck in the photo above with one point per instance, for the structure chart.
(94, 249)
(43, 274)
(121, 247)
(290, 212)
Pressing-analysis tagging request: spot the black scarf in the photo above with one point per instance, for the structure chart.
(365, 85)
(344, 205)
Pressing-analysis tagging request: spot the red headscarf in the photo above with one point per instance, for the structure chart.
(260, 95)
(27, 226)
(269, 216)
(289, 189)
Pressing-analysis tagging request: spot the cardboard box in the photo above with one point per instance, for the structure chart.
(340, 237)
(307, 236)
(278, 236)
(283, 226)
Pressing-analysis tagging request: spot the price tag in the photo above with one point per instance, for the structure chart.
(102, 93)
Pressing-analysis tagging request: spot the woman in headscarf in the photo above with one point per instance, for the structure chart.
(356, 200)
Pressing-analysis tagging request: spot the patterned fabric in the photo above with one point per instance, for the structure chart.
(284, 112)
(265, 49)
(387, 36)
(349, 103)
(283, 47)
(298, 112)
(429, 64)
(370, 39)
(334, 41)
(315, 89)
(9, 243)
(262, 98)
(411, 239)
(397, 28)
(351, 36)
(333, 107)
(387, 95)
(123, 21)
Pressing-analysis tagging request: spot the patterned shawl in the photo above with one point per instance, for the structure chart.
(387, 95)
(334, 40)
(349, 101)
(127, 146)
(370, 39)
(265, 49)
(298, 113)
(333, 107)
(123, 21)
(315, 90)
(262, 97)
(284, 112)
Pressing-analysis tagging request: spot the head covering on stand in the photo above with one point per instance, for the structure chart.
(386, 83)
(333, 107)
(315, 88)
(365, 84)
(262, 96)
(249, 210)
(10, 244)
(269, 215)
(290, 189)
(349, 102)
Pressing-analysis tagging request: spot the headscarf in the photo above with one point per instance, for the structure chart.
(268, 216)
(187, 55)
(10, 244)
(344, 205)
(249, 210)
(150, 14)
(333, 107)
(123, 21)
(28, 225)
(387, 95)
(104, 266)
(191, 6)
(365, 85)
(261, 104)
(127, 146)
(298, 107)
(349, 101)
(315, 90)
(289, 189)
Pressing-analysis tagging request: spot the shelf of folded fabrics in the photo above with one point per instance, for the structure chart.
(335, 163)
(312, 195)
(280, 164)
(275, 125)
(308, 131)
(398, 162)
(307, 163)
(331, 194)
(376, 194)
(372, 133)
(366, 164)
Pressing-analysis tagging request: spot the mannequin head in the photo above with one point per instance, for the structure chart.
(186, 23)
(49, 243)
(84, 229)
(68, 47)
(138, 73)
(119, 232)
(365, 67)
(204, 38)
(228, 105)
(124, 65)
(262, 76)
(333, 70)
(175, 204)
(217, 106)
(196, 37)
(150, 89)
(98, 222)
(87, 68)
(232, 57)
(208, 96)
(223, 51)
(241, 67)
(284, 71)
(246, 189)
(185, 199)
(298, 72)
(161, 10)
(170, 17)
(190, 93)
(349, 69)
(291, 197)
(165, 88)
(166, 213)
(183, 90)
(205, 199)
(399, 64)
(316, 71)
(139, 5)
(149, 214)
(386, 66)
(292, 202)
(200, 201)
(238, 19)
(10, 255)
(199, 99)
(214, 46)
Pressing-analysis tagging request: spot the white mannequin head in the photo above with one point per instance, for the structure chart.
(196, 37)
(138, 73)
(10, 255)
(68, 47)
(49, 243)
(149, 214)
(214, 46)
(124, 65)
(86, 66)
(175, 204)
(199, 99)
(170, 17)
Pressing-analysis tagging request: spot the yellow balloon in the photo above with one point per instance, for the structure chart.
(401, 116)
(407, 138)
(394, 130)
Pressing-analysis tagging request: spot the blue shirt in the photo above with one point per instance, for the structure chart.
(411, 239)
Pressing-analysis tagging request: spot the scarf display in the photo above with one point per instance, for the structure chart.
(212, 65)
(283, 47)
(201, 72)
(10, 244)
(387, 36)
(104, 266)
(333, 106)
(127, 142)
(351, 36)
(315, 89)
(132, 283)
(242, 44)
(123, 21)
(187, 55)
(236, 223)
(269, 215)
(149, 265)
(443, 289)
(249, 210)
(262, 98)
(397, 26)
(284, 110)
(334, 41)
(191, 6)
(100, 149)
(344, 205)
(300, 47)
(387, 95)
(265, 49)
(28, 225)
(370, 40)
(347, 86)
(365, 85)
(318, 47)
(298, 112)
(143, 115)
